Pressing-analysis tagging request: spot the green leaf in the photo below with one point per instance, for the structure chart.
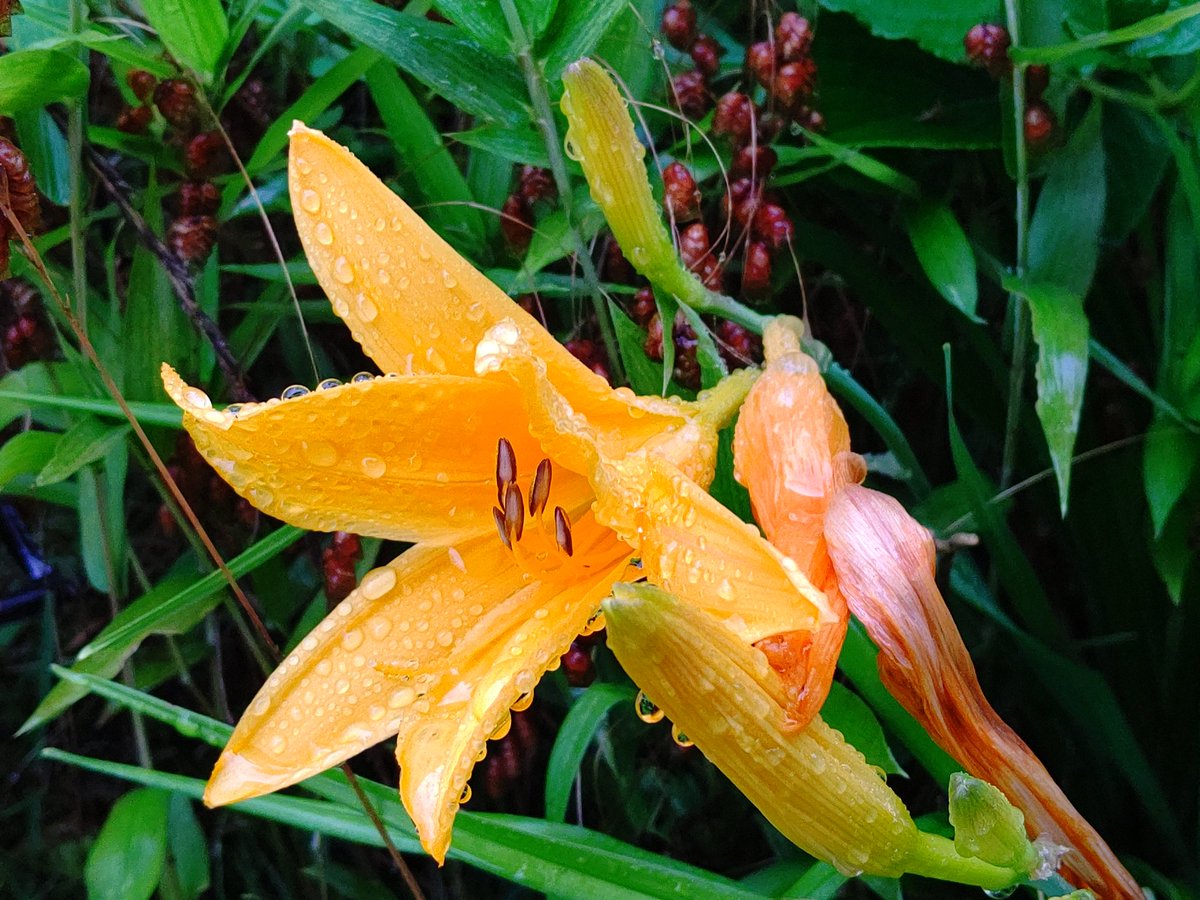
(1170, 463)
(1135, 155)
(45, 146)
(84, 444)
(584, 719)
(944, 253)
(1146, 28)
(937, 25)
(575, 32)
(645, 375)
(126, 860)
(848, 713)
(1064, 233)
(440, 184)
(483, 20)
(517, 145)
(25, 454)
(32, 79)
(165, 414)
(193, 30)
(188, 849)
(436, 54)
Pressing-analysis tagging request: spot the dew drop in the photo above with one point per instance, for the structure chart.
(680, 738)
(291, 393)
(402, 698)
(475, 312)
(261, 705)
(319, 453)
(465, 795)
(352, 639)
(311, 201)
(377, 582)
(323, 233)
(376, 713)
(373, 466)
(445, 638)
(328, 383)
(367, 310)
(342, 270)
(523, 702)
(197, 398)
(448, 280)
(646, 710)
(379, 627)
(360, 377)
(278, 744)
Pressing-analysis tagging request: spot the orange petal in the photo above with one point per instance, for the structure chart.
(885, 564)
(413, 303)
(696, 548)
(401, 458)
(435, 646)
(788, 448)
(813, 786)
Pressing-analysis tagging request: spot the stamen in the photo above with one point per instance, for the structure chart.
(562, 531)
(514, 512)
(501, 527)
(506, 468)
(539, 493)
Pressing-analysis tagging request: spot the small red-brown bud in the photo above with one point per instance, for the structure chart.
(577, 666)
(198, 198)
(205, 154)
(135, 119)
(176, 100)
(1039, 123)
(516, 223)
(742, 201)
(794, 83)
(690, 95)
(761, 60)
(653, 344)
(687, 366)
(793, 37)
(735, 117)
(737, 344)
(693, 245)
(987, 47)
(773, 226)
(811, 119)
(536, 183)
(616, 267)
(756, 269)
(681, 197)
(142, 83)
(1037, 79)
(707, 53)
(192, 238)
(679, 25)
(643, 308)
(753, 161)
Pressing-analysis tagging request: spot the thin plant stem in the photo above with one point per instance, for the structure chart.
(535, 83)
(1020, 318)
(75, 124)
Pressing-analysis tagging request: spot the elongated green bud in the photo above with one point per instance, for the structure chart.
(987, 826)
(601, 138)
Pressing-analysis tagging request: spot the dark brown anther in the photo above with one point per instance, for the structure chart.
(539, 493)
(501, 527)
(514, 512)
(506, 468)
(562, 531)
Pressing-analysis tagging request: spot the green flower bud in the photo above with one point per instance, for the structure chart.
(987, 826)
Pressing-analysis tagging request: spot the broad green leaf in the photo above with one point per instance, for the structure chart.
(126, 860)
(448, 201)
(483, 20)
(187, 849)
(645, 375)
(1064, 233)
(535, 15)
(1170, 463)
(31, 79)
(1060, 328)
(576, 30)
(944, 253)
(45, 146)
(25, 454)
(1144, 29)
(165, 414)
(937, 26)
(1135, 157)
(583, 720)
(517, 145)
(86, 442)
(848, 713)
(193, 30)
(436, 54)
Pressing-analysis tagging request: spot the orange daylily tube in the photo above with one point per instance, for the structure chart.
(885, 562)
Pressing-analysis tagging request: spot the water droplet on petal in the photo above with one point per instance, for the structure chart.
(291, 393)
(377, 582)
(319, 453)
(342, 270)
(367, 310)
(352, 639)
(680, 738)
(448, 280)
(324, 233)
(465, 795)
(328, 383)
(197, 398)
(360, 377)
(311, 201)
(646, 710)
(373, 466)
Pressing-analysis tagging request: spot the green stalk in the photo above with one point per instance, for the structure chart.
(75, 125)
(935, 857)
(543, 113)
(1020, 316)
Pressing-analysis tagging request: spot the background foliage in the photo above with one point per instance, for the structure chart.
(1016, 331)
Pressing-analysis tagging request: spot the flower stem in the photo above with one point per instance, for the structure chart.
(1020, 323)
(935, 857)
(543, 113)
(75, 128)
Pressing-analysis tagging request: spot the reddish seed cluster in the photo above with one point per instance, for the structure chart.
(137, 119)
(681, 197)
(577, 664)
(337, 565)
(787, 72)
(987, 47)
(534, 185)
(18, 190)
(591, 355)
(1040, 122)
(193, 233)
(26, 334)
(689, 90)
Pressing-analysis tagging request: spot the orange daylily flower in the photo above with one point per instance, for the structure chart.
(873, 559)
(525, 481)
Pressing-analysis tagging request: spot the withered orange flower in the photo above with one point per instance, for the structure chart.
(525, 481)
(873, 559)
